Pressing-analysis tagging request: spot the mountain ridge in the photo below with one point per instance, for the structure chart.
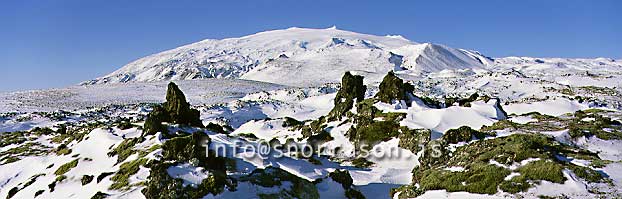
(311, 49)
(311, 57)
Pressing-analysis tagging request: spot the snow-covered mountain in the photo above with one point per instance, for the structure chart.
(296, 56)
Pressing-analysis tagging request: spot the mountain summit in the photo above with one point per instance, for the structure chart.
(295, 56)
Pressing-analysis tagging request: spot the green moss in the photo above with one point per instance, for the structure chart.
(315, 127)
(150, 150)
(63, 150)
(65, 136)
(598, 163)
(376, 132)
(477, 178)
(320, 138)
(542, 170)
(373, 126)
(23, 150)
(126, 170)
(406, 191)
(600, 90)
(125, 149)
(60, 178)
(586, 123)
(414, 139)
(66, 167)
(534, 172)
(514, 185)
(587, 174)
(501, 125)
(10, 138)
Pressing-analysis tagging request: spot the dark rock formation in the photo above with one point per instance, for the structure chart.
(351, 88)
(175, 110)
(394, 88)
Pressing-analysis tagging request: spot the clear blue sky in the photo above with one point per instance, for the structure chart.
(47, 44)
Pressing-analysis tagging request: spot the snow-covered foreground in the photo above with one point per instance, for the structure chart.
(260, 114)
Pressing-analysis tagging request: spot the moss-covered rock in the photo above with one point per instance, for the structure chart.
(393, 88)
(587, 174)
(153, 123)
(100, 195)
(362, 163)
(191, 148)
(479, 175)
(39, 192)
(585, 123)
(466, 102)
(125, 149)
(121, 178)
(86, 179)
(414, 139)
(272, 177)
(62, 150)
(291, 122)
(12, 192)
(342, 177)
(352, 88)
(175, 110)
(216, 128)
(354, 194)
(179, 109)
(161, 185)
(462, 134)
(66, 167)
(103, 175)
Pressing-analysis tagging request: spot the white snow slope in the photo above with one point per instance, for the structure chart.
(295, 56)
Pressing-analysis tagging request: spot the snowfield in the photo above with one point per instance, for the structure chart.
(209, 91)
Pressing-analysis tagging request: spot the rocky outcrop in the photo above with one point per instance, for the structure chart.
(175, 110)
(352, 88)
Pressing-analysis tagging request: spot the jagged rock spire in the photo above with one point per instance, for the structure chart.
(179, 109)
(394, 88)
(175, 110)
(352, 88)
